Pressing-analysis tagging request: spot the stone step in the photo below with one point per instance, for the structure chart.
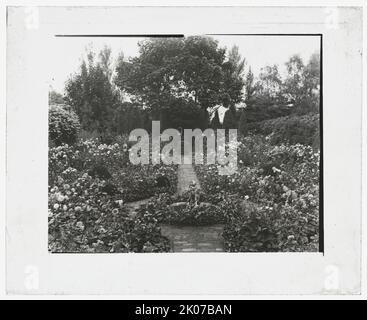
(194, 238)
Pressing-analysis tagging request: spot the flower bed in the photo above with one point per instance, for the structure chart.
(82, 219)
(269, 229)
(88, 213)
(281, 183)
(135, 182)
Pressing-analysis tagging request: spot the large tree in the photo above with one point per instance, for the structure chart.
(312, 81)
(250, 88)
(269, 86)
(92, 95)
(302, 84)
(294, 82)
(237, 61)
(234, 83)
(192, 69)
(263, 97)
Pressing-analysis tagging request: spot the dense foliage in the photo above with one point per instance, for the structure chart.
(192, 69)
(179, 81)
(92, 94)
(291, 129)
(88, 213)
(272, 202)
(272, 95)
(84, 219)
(63, 124)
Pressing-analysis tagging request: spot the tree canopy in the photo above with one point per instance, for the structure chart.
(179, 81)
(192, 69)
(91, 93)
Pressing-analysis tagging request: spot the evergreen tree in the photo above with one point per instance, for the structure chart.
(242, 126)
(249, 88)
(92, 95)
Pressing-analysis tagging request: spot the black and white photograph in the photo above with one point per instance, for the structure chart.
(193, 150)
(117, 96)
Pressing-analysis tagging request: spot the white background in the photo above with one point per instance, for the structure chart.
(28, 70)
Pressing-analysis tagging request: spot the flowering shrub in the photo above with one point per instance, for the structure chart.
(135, 182)
(271, 203)
(81, 219)
(292, 129)
(282, 184)
(84, 218)
(265, 228)
(144, 181)
(63, 125)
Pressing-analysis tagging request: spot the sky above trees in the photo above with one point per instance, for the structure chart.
(259, 51)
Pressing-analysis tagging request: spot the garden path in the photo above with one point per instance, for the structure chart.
(187, 238)
(192, 238)
(186, 176)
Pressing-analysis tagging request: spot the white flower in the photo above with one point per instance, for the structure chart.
(60, 197)
(119, 202)
(276, 169)
(80, 225)
(101, 230)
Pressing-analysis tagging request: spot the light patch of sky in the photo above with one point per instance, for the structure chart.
(259, 51)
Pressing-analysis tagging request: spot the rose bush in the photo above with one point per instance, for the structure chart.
(135, 182)
(269, 228)
(282, 183)
(84, 218)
